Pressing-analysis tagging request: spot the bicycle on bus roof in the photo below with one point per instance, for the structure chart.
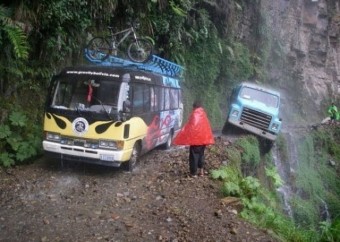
(137, 49)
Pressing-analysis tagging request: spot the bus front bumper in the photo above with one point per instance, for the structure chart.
(112, 158)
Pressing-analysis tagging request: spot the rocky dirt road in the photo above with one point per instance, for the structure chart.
(157, 202)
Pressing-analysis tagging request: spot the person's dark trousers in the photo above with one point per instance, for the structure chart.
(196, 158)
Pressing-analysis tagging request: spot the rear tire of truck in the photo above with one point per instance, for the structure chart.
(266, 145)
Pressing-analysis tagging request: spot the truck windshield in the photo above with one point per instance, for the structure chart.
(85, 93)
(266, 98)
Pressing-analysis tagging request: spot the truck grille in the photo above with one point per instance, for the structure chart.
(256, 119)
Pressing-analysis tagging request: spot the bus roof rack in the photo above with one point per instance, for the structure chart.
(155, 64)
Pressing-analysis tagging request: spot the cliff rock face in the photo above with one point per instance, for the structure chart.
(309, 34)
(300, 45)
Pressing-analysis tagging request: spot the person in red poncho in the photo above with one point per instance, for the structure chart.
(196, 133)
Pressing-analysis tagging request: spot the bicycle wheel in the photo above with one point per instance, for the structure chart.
(99, 48)
(140, 50)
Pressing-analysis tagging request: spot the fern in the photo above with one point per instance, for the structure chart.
(4, 14)
(18, 39)
(179, 11)
(13, 33)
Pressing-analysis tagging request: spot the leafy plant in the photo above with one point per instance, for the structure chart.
(250, 186)
(272, 173)
(17, 143)
(231, 189)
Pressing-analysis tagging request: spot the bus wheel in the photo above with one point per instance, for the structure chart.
(168, 143)
(134, 158)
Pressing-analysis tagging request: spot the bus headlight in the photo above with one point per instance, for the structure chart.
(111, 144)
(53, 136)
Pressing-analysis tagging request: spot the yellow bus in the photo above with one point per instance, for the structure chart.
(110, 115)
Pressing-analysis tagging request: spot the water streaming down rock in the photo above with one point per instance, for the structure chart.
(284, 190)
(286, 166)
(325, 216)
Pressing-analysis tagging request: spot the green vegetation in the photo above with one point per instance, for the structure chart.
(250, 154)
(317, 181)
(260, 206)
(19, 139)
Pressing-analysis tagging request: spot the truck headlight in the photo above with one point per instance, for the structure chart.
(234, 113)
(275, 127)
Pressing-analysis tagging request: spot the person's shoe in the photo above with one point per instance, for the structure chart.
(201, 172)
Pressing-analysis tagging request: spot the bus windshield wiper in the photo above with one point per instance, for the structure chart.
(105, 110)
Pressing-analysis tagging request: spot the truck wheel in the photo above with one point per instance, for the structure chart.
(266, 145)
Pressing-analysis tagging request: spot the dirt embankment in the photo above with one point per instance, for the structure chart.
(157, 202)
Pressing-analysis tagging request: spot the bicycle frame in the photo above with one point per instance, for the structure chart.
(121, 40)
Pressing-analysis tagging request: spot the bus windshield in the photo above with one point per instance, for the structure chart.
(94, 94)
(266, 98)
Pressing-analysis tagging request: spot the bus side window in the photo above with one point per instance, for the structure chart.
(146, 98)
(161, 98)
(173, 98)
(137, 101)
(154, 98)
(167, 99)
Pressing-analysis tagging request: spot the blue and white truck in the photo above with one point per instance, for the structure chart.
(256, 109)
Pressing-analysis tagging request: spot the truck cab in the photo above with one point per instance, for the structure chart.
(256, 109)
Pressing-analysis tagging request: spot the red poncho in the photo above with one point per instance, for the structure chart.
(196, 131)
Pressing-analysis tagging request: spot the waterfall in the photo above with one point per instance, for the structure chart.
(287, 169)
(284, 190)
(325, 216)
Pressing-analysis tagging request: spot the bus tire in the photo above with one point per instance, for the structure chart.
(168, 142)
(132, 163)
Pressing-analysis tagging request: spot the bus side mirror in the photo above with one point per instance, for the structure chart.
(126, 106)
